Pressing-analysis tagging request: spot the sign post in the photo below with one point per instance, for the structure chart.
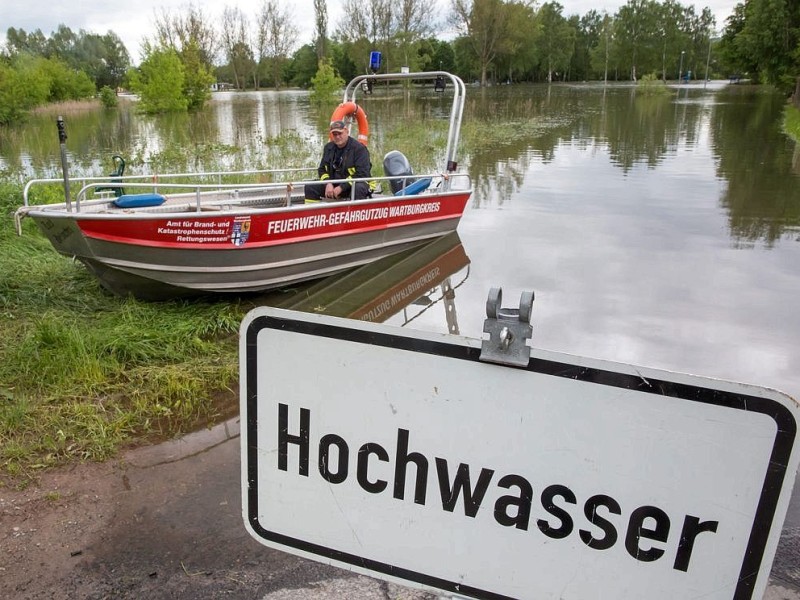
(403, 456)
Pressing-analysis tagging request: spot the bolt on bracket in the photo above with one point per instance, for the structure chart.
(508, 330)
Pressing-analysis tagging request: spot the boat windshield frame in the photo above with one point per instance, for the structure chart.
(456, 111)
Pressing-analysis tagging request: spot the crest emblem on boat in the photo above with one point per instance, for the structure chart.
(240, 230)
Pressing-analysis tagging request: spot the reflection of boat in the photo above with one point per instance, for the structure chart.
(203, 233)
(381, 289)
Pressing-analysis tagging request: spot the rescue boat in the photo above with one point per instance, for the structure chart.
(214, 233)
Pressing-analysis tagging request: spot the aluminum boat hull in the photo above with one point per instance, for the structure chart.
(163, 253)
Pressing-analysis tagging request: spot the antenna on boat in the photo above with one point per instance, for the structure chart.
(62, 140)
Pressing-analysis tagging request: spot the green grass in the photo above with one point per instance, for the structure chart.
(83, 373)
(791, 122)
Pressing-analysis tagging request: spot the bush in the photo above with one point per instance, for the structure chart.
(325, 83)
(29, 81)
(22, 87)
(159, 81)
(108, 97)
(65, 83)
(650, 84)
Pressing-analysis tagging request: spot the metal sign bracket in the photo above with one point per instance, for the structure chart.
(508, 330)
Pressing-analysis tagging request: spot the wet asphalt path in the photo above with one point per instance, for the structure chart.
(170, 527)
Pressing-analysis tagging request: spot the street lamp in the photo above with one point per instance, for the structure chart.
(680, 70)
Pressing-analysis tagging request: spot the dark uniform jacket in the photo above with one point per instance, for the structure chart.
(350, 162)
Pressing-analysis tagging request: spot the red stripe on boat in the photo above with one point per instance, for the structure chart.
(215, 231)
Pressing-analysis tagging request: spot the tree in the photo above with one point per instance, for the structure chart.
(671, 31)
(587, 36)
(64, 82)
(159, 81)
(771, 36)
(18, 42)
(635, 36)
(189, 27)
(556, 39)
(235, 45)
(103, 58)
(482, 24)
(366, 27)
(192, 40)
(699, 30)
(601, 53)
(22, 86)
(413, 22)
(321, 28)
(62, 42)
(277, 34)
(197, 78)
(516, 54)
(436, 55)
(342, 64)
(732, 52)
(303, 66)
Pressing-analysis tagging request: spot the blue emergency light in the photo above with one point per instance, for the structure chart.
(375, 61)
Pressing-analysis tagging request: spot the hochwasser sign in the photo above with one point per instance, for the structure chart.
(400, 455)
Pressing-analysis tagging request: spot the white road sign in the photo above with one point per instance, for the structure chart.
(400, 455)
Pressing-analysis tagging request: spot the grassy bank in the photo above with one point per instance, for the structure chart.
(83, 372)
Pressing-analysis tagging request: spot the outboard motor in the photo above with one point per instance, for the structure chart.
(395, 164)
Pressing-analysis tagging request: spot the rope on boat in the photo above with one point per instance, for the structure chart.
(20, 214)
(435, 302)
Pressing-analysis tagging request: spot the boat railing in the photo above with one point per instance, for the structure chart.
(198, 196)
(105, 185)
(440, 78)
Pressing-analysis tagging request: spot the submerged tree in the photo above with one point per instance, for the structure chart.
(193, 41)
(197, 78)
(325, 83)
(159, 81)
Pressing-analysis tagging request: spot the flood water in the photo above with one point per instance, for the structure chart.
(656, 231)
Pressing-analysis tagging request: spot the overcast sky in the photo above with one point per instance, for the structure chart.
(133, 20)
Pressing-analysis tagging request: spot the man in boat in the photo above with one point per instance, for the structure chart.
(342, 158)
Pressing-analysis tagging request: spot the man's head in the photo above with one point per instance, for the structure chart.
(339, 133)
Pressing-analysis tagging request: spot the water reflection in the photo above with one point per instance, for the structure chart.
(643, 233)
(763, 193)
(398, 288)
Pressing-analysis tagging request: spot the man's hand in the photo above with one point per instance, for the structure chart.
(333, 192)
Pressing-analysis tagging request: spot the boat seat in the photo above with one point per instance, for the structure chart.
(139, 200)
(119, 170)
(419, 186)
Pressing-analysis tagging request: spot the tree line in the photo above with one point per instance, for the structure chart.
(496, 41)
